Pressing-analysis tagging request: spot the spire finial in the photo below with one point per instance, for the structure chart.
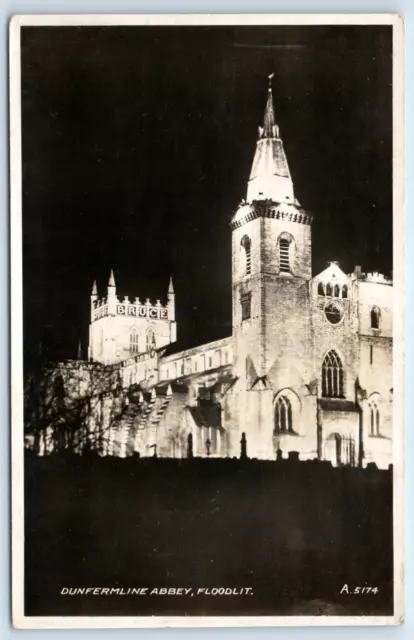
(269, 116)
(94, 289)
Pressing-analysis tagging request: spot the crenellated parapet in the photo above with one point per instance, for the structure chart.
(122, 327)
(377, 278)
(132, 307)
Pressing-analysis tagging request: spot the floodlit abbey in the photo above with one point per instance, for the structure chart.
(307, 368)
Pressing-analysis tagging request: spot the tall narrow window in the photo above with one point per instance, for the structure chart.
(246, 306)
(332, 376)
(247, 246)
(133, 341)
(283, 416)
(284, 255)
(371, 354)
(321, 290)
(344, 291)
(375, 318)
(329, 289)
(337, 291)
(374, 419)
(150, 340)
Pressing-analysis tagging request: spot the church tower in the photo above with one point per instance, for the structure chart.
(271, 269)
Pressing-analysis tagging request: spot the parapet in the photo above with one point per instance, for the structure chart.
(131, 307)
(375, 277)
(378, 278)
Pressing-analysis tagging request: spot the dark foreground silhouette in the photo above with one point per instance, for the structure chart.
(293, 533)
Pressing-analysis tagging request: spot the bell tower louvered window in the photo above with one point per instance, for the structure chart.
(332, 376)
(284, 265)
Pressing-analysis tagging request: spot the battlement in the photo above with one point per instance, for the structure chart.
(123, 327)
(378, 278)
(374, 276)
(132, 307)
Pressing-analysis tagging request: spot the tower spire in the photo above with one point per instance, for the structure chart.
(269, 116)
(270, 176)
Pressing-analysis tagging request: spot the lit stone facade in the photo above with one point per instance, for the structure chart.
(308, 367)
(123, 327)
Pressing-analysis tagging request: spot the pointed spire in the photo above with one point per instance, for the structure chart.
(270, 176)
(269, 124)
(111, 282)
(94, 289)
(171, 286)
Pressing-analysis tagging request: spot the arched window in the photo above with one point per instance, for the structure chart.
(150, 340)
(337, 291)
(332, 376)
(247, 245)
(375, 318)
(284, 265)
(321, 290)
(133, 341)
(329, 289)
(283, 416)
(344, 291)
(374, 419)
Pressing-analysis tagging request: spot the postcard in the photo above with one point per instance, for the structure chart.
(207, 314)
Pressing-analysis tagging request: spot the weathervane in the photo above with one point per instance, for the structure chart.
(270, 79)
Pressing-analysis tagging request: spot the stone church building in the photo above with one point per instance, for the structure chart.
(307, 368)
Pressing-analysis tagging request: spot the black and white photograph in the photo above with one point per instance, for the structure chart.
(207, 294)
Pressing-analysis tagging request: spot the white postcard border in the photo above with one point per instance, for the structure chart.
(17, 470)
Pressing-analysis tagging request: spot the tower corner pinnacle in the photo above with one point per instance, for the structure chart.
(111, 281)
(171, 286)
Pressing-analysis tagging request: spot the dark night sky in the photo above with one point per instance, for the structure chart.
(137, 146)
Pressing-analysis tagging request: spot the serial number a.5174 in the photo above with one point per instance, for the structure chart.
(357, 590)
